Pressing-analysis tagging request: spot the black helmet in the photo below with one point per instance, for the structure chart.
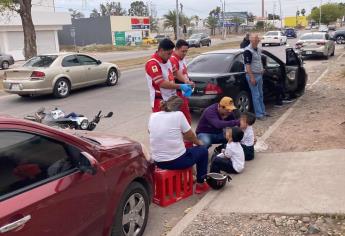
(217, 180)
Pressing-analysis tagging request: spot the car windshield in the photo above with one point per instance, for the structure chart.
(211, 63)
(195, 36)
(312, 36)
(40, 61)
(271, 34)
(289, 31)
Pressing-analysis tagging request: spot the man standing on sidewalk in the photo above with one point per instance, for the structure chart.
(160, 75)
(254, 72)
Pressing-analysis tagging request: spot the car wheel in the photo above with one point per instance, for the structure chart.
(263, 45)
(84, 125)
(5, 65)
(112, 77)
(243, 101)
(340, 39)
(62, 88)
(209, 44)
(132, 213)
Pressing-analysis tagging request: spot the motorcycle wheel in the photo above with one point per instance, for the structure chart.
(84, 125)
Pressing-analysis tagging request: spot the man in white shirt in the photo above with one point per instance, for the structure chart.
(168, 129)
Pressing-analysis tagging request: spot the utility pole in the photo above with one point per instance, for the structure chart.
(177, 22)
(274, 13)
(320, 12)
(263, 8)
(281, 17)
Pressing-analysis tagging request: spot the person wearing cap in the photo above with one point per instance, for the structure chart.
(160, 75)
(214, 119)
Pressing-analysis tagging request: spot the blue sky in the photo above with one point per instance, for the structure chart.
(201, 7)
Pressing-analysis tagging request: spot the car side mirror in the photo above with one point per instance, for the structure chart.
(99, 62)
(87, 164)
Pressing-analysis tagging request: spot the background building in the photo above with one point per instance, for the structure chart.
(116, 30)
(293, 21)
(47, 23)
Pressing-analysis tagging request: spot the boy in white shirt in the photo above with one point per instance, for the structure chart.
(247, 120)
(232, 159)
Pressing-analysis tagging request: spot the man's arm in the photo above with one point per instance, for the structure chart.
(248, 60)
(216, 122)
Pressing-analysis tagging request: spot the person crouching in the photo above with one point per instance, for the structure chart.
(231, 160)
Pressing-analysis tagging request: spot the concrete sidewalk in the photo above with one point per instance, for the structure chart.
(287, 183)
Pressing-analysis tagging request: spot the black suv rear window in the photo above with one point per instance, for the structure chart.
(211, 63)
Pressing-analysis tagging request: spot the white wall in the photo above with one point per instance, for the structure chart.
(43, 5)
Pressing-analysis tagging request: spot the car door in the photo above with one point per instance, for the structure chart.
(95, 72)
(42, 192)
(74, 70)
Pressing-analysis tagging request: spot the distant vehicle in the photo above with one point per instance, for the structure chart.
(339, 36)
(5, 61)
(332, 27)
(274, 37)
(149, 40)
(316, 44)
(199, 40)
(308, 27)
(314, 27)
(221, 73)
(94, 183)
(290, 33)
(58, 74)
(323, 28)
(160, 37)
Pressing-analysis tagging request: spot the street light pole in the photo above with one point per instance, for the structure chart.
(177, 21)
(320, 13)
(281, 19)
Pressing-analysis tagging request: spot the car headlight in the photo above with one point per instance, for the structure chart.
(291, 75)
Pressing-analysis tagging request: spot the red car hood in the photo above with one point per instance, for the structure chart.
(107, 141)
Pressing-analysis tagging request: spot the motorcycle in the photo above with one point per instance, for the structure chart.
(73, 120)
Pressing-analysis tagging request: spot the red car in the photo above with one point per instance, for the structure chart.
(58, 183)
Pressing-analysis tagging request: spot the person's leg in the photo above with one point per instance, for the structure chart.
(186, 111)
(196, 155)
(205, 139)
(222, 164)
(255, 98)
(248, 152)
(259, 82)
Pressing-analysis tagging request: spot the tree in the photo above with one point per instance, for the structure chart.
(75, 14)
(303, 12)
(212, 23)
(138, 8)
(153, 24)
(330, 13)
(23, 8)
(170, 20)
(109, 9)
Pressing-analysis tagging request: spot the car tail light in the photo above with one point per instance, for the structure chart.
(275, 37)
(213, 89)
(37, 75)
(321, 43)
(299, 45)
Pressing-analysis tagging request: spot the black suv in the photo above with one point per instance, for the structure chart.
(199, 40)
(339, 36)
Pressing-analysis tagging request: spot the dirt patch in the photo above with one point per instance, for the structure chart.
(318, 121)
(208, 223)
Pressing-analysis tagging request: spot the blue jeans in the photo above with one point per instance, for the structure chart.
(257, 95)
(195, 155)
(209, 139)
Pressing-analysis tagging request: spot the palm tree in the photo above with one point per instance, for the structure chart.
(212, 24)
(170, 20)
(153, 24)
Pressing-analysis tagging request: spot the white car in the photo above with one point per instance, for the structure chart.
(316, 44)
(274, 37)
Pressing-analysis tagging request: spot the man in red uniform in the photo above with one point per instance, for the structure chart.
(160, 75)
(179, 63)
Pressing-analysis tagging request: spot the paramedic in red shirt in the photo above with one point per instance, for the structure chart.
(179, 63)
(160, 75)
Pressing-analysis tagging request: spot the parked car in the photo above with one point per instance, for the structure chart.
(308, 27)
(323, 28)
(160, 37)
(274, 37)
(81, 184)
(199, 40)
(290, 33)
(316, 44)
(5, 61)
(58, 74)
(332, 27)
(221, 73)
(339, 36)
(149, 40)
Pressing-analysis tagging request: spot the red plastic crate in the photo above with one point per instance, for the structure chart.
(172, 186)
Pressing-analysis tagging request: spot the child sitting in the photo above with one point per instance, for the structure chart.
(231, 160)
(247, 120)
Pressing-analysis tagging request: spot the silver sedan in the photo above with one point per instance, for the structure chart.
(58, 74)
(316, 44)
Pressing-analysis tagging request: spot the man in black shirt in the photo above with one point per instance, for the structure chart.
(245, 41)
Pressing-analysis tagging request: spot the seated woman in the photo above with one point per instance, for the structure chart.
(168, 129)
